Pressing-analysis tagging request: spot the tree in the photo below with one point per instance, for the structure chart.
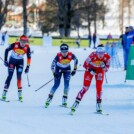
(64, 15)
(125, 5)
(48, 16)
(76, 19)
(70, 14)
(3, 12)
(93, 11)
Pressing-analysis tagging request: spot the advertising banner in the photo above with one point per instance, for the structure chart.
(130, 68)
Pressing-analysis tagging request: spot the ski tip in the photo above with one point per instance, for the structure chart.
(46, 106)
(71, 113)
(64, 106)
(4, 100)
(101, 113)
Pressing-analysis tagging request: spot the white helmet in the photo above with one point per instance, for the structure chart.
(100, 51)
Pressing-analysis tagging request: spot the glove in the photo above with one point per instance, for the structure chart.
(6, 63)
(102, 65)
(73, 72)
(27, 69)
(56, 76)
(91, 71)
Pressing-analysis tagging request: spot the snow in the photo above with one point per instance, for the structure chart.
(30, 117)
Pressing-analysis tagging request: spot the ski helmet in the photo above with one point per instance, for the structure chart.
(24, 38)
(64, 48)
(100, 50)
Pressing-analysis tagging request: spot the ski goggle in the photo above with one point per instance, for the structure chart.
(100, 49)
(22, 43)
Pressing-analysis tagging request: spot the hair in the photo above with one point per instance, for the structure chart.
(100, 45)
(63, 44)
(100, 48)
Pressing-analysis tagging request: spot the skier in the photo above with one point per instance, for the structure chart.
(61, 66)
(19, 49)
(96, 64)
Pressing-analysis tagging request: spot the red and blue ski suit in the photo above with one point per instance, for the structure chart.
(16, 61)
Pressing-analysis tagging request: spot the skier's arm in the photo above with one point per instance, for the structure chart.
(53, 65)
(88, 64)
(75, 61)
(54, 62)
(28, 60)
(28, 56)
(75, 64)
(7, 50)
(107, 64)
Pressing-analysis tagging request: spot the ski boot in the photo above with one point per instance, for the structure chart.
(4, 95)
(49, 99)
(98, 106)
(75, 106)
(64, 101)
(20, 95)
(21, 99)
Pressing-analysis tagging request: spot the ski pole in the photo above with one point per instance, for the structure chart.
(4, 62)
(1, 59)
(28, 76)
(28, 81)
(52, 80)
(44, 84)
(75, 70)
(106, 78)
(70, 70)
(32, 52)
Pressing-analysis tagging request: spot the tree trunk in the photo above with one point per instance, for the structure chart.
(122, 16)
(129, 12)
(3, 13)
(61, 17)
(95, 17)
(25, 17)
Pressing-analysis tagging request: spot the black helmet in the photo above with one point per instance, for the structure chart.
(64, 48)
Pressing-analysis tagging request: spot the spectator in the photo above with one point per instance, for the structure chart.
(109, 36)
(94, 40)
(3, 37)
(129, 41)
(90, 39)
(78, 42)
(123, 43)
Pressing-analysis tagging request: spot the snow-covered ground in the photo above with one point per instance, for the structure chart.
(30, 117)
